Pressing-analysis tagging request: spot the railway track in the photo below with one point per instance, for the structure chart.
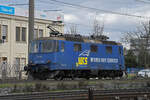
(56, 81)
(126, 94)
(123, 94)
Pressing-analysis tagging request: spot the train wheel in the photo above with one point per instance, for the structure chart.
(59, 76)
(42, 78)
(112, 75)
(120, 74)
(87, 78)
(105, 74)
(100, 75)
(72, 77)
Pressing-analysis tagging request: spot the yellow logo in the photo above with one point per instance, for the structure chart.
(82, 61)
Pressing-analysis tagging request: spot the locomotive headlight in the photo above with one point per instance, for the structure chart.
(25, 68)
(48, 61)
(30, 62)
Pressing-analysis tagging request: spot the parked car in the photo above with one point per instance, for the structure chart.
(144, 73)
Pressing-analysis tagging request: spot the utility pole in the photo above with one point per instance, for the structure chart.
(147, 46)
(30, 23)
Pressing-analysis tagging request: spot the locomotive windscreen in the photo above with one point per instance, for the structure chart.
(34, 47)
(49, 46)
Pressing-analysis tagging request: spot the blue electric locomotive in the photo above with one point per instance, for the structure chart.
(61, 57)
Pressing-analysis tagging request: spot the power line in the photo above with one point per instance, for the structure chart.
(26, 4)
(90, 8)
(52, 10)
(22, 4)
(47, 2)
(100, 10)
(145, 2)
(95, 9)
(74, 23)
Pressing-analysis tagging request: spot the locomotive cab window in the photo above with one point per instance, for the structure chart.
(77, 47)
(120, 50)
(62, 47)
(49, 46)
(94, 48)
(109, 49)
(34, 47)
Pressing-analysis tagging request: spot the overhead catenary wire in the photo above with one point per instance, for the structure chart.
(21, 4)
(85, 7)
(66, 23)
(91, 8)
(145, 2)
(72, 5)
(100, 10)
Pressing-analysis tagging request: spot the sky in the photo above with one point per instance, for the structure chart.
(115, 26)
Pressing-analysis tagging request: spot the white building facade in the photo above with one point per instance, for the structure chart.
(14, 37)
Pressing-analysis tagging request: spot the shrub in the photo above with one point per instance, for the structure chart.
(28, 88)
(15, 88)
(38, 87)
(82, 84)
(61, 86)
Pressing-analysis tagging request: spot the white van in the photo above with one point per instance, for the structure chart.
(144, 73)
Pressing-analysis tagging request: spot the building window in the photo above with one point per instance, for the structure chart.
(3, 60)
(21, 34)
(77, 47)
(17, 33)
(94, 48)
(37, 33)
(17, 64)
(3, 33)
(109, 49)
(20, 63)
(40, 33)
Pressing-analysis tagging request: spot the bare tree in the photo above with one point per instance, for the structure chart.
(98, 28)
(139, 41)
(72, 29)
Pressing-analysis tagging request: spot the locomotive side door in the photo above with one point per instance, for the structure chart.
(77, 48)
(80, 56)
(66, 55)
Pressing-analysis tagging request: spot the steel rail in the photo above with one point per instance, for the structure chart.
(77, 95)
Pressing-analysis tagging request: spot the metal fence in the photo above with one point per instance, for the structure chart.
(8, 71)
